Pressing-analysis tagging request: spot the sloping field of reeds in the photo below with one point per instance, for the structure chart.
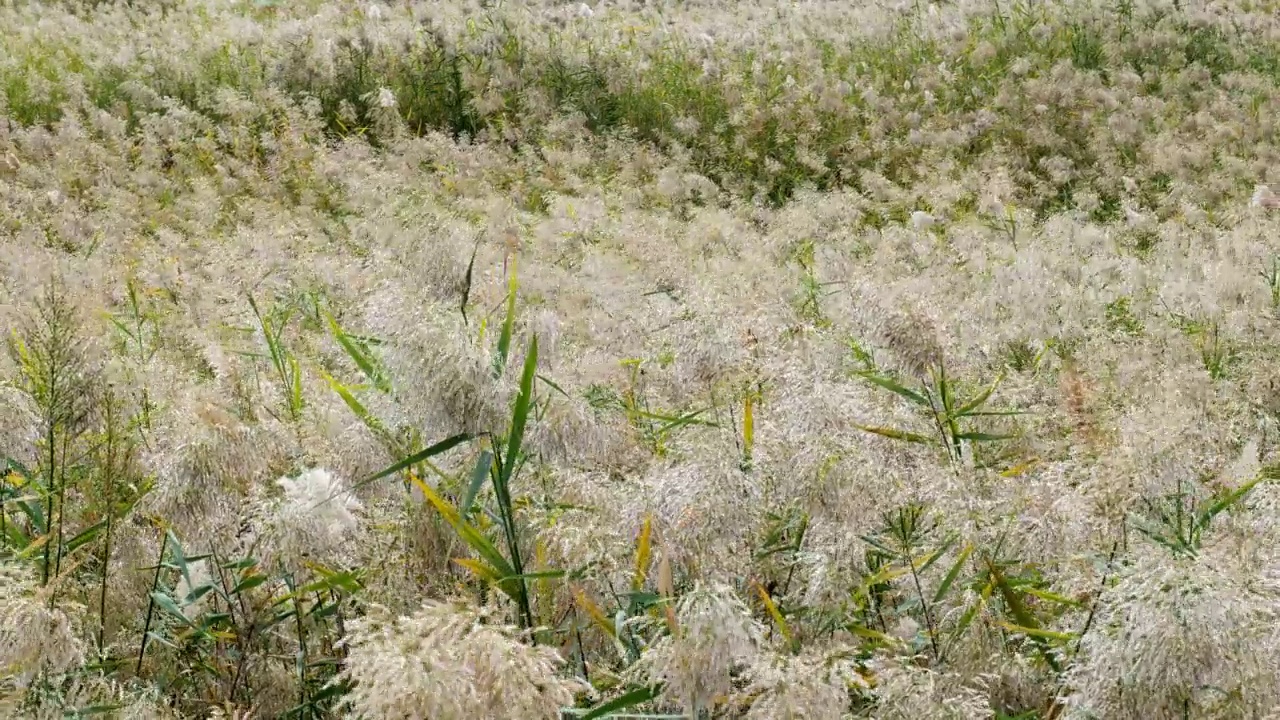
(767, 360)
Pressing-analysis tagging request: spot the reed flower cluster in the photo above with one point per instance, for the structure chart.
(445, 661)
(746, 359)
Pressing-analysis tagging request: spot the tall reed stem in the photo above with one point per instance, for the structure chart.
(151, 602)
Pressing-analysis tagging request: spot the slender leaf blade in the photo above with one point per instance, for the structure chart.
(466, 282)
(1052, 597)
(977, 402)
(502, 569)
(1038, 633)
(166, 603)
(892, 386)
(984, 437)
(1227, 501)
(478, 475)
(628, 700)
(896, 434)
(84, 536)
(1020, 613)
(925, 562)
(508, 328)
(520, 415)
(358, 356)
(953, 573)
(772, 608)
(441, 447)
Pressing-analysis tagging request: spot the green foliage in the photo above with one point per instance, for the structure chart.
(1217, 354)
(1005, 223)
(951, 418)
(899, 547)
(24, 522)
(655, 427)
(508, 327)
(284, 363)
(812, 292)
(138, 324)
(214, 619)
(54, 375)
(1178, 521)
(609, 709)
(1271, 274)
(1022, 355)
(1039, 92)
(1120, 317)
(506, 571)
(403, 441)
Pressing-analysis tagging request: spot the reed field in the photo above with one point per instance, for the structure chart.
(774, 360)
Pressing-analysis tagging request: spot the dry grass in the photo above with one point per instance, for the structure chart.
(761, 360)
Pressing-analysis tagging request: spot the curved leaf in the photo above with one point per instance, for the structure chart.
(440, 447)
(896, 434)
(892, 386)
(631, 699)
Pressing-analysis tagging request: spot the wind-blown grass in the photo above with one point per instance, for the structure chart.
(1047, 88)
(765, 360)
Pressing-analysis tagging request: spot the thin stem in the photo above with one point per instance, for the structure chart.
(804, 526)
(884, 626)
(302, 650)
(943, 438)
(51, 439)
(240, 639)
(924, 603)
(4, 531)
(1102, 586)
(151, 602)
(582, 653)
(244, 655)
(106, 565)
(341, 622)
(62, 504)
(502, 490)
(1088, 622)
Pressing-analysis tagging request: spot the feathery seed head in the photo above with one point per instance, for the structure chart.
(716, 635)
(800, 688)
(447, 661)
(316, 518)
(35, 639)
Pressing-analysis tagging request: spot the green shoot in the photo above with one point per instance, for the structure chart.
(283, 361)
(948, 415)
